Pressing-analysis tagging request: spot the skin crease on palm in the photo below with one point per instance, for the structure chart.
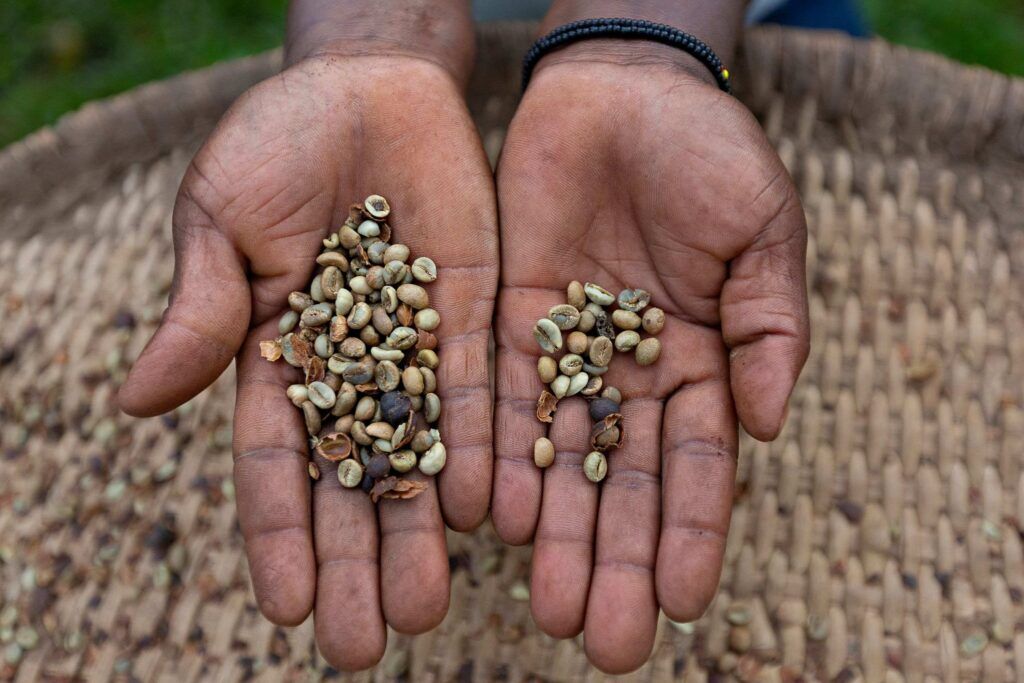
(282, 167)
(693, 205)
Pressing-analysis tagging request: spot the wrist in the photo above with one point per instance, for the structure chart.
(438, 31)
(716, 22)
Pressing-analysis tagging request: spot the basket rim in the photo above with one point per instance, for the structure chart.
(968, 111)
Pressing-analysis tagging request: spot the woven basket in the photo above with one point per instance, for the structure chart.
(879, 539)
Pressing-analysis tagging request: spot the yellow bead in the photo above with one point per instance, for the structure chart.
(725, 74)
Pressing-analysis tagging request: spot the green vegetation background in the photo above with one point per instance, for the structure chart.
(57, 54)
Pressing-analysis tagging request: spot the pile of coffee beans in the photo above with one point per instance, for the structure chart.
(592, 335)
(363, 337)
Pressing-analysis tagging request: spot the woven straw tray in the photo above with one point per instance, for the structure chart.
(879, 539)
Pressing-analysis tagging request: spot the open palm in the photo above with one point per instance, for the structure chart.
(279, 172)
(641, 176)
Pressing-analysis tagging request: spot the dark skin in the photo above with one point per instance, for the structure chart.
(674, 189)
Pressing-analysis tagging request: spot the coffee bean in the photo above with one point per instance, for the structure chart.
(359, 435)
(346, 402)
(547, 369)
(297, 394)
(575, 296)
(352, 347)
(598, 294)
(323, 346)
(394, 407)
(395, 272)
(566, 317)
(311, 415)
(428, 319)
(654, 320)
(338, 329)
(427, 359)
(593, 386)
(350, 473)
(376, 207)
(360, 285)
(333, 258)
(577, 342)
(332, 281)
(379, 466)
(299, 301)
(381, 353)
(369, 336)
(343, 424)
(600, 408)
(625, 320)
(343, 302)
(365, 409)
(627, 340)
(593, 370)
(634, 300)
(560, 386)
(424, 269)
(316, 315)
(387, 375)
(348, 237)
(648, 351)
(603, 325)
(414, 295)
(359, 316)
(403, 460)
(433, 460)
(429, 380)
(587, 321)
(402, 338)
(396, 252)
(595, 466)
(337, 363)
(288, 322)
(571, 364)
(547, 335)
(577, 383)
(321, 395)
(368, 229)
(421, 441)
(612, 394)
(431, 408)
(412, 381)
(389, 298)
(601, 352)
(543, 452)
(315, 290)
(359, 373)
(381, 430)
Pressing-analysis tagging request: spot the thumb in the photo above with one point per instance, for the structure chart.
(206, 322)
(765, 321)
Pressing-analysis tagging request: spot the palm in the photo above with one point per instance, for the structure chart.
(687, 194)
(281, 169)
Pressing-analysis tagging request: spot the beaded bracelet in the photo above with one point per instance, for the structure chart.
(625, 28)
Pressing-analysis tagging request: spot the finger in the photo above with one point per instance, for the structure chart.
(765, 321)
(517, 485)
(207, 320)
(272, 487)
(414, 561)
(699, 444)
(563, 552)
(622, 610)
(350, 630)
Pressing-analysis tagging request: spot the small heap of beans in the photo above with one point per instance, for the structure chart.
(593, 336)
(363, 337)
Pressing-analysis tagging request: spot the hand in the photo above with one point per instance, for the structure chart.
(281, 170)
(641, 174)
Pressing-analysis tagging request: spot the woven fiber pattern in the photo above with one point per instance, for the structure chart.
(879, 539)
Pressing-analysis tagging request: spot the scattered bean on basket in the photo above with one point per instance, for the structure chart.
(592, 335)
(362, 335)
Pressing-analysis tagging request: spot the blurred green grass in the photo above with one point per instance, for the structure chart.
(58, 54)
